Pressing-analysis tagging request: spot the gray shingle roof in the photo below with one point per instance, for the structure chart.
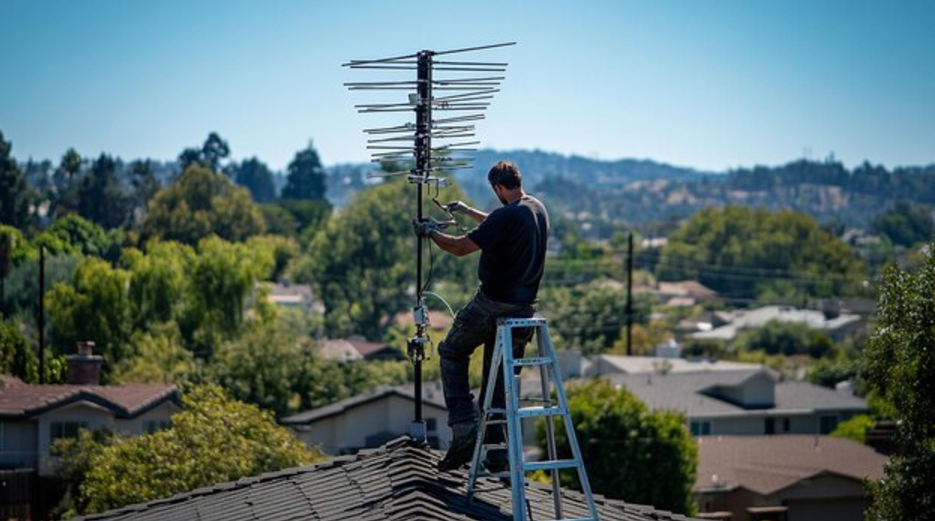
(683, 392)
(356, 401)
(767, 464)
(398, 481)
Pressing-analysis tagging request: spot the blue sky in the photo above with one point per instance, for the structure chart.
(707, 84)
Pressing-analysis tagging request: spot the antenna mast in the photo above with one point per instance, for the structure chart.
(433, 147)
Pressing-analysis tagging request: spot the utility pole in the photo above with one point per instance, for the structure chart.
(41, 314)
(630, 294)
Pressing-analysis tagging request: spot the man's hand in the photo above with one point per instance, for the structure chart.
(424, 228)
(457, 207)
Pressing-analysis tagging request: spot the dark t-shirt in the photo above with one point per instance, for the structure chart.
(513, 241)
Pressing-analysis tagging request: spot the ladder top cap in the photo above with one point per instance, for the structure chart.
(522, 322)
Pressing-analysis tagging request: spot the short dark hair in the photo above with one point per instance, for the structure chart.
(505, 174)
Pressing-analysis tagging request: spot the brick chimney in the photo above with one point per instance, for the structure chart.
(84, 368)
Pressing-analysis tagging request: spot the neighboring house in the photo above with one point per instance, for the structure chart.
(790, 478)
(705, 321)
(357, 348)
(747, 402)
(603, 365)
(33, 416)
(685, 293)
(369, 420)
(337, 349)
(397, 482)
(837, 327)
(438, 320)
(296, 296)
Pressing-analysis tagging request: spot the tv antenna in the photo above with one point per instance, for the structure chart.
(433, 147)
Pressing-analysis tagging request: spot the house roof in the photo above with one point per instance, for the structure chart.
(343, 406)
(338, 349)
(22, 400)
(685, 392)
(398, 481)
(768, 464)
(761, 316)
(607, 364)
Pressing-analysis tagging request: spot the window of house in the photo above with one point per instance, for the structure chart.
(1, 435)
(700, 428)
(58, 430)
(431, 424)
(770, 427)
(786, 425)
(827, 424)
(151, 426)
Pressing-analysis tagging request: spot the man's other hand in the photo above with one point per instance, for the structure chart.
(424, 228)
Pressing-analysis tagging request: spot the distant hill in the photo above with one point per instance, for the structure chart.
(633, 192)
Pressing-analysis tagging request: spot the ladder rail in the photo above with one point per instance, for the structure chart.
(570, 431)
(543, 351)
(514, 437)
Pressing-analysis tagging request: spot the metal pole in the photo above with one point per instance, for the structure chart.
(41, 314)
(630, 294)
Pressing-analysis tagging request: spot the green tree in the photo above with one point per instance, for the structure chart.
(159, 356)
(256, 176)
(17, 355)
(214, 439)
(94, 307)
(306, 177)
(630, 452)
(145, 185)
(159, 283)
(906, 223)
(199, 204)
(362, 262)
(14, 200)
(209, 156)
(74, 235)
(221, 279)
(283, 251)
(65, 181)
(746, 253)
(777, 337)
(855, 428)
(100, 196)
(900, 367)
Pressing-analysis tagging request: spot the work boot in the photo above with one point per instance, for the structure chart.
(462, 446)
(498, 460)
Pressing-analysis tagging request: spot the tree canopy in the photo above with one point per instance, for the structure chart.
(14, 206)
(306, 177)
(199, 204)
(744, 253)
(900, 366)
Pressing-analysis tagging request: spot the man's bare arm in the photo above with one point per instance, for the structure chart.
(459, 207)
(458, 246)
(475, 215)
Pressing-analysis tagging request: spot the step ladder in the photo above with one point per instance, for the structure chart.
(513, 413)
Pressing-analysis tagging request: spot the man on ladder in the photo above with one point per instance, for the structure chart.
(513, 241)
